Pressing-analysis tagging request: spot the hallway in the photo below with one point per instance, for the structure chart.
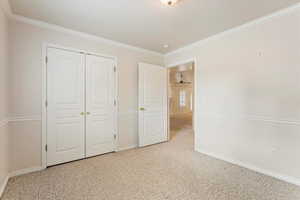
(181, 124)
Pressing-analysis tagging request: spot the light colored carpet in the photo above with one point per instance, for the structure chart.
(168, 171)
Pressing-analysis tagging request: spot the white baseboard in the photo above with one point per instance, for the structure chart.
(276, 175)
(128, 147)
(25, 171)
(17, 173)
(3, 186)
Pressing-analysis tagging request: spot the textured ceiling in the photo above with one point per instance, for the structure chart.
(147, 23)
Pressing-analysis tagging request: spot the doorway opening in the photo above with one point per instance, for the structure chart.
(181, 102)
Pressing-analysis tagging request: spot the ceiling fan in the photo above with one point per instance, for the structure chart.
(169, 2)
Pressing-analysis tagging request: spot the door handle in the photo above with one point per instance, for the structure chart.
(88, 113)
(82, 113)
(142, 109)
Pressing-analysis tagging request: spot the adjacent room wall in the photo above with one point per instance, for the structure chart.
(248, 94)
(4, 136)
(26, 86)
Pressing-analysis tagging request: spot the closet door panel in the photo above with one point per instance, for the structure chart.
(65, 97)
(100, 108)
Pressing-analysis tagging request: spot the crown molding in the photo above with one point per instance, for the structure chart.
(7, 9)
(61, 29)
(235, 29)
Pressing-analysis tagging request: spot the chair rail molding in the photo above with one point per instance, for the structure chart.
(251, 117)
(20, 118)
(3, 122)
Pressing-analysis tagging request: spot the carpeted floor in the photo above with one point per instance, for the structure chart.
(168, 171)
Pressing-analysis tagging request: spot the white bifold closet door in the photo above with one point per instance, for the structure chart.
(81, 110)
(100, 105)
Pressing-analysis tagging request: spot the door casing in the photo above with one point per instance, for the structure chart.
(45, 46)
(195, 95)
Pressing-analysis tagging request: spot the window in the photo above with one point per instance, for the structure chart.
(182, 97)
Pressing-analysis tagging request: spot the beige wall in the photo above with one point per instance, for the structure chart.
(4, 137)
(26, 86)
(249, 93)
(247, 85)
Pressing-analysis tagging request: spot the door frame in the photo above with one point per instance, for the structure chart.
(195, 94)
(45, 46)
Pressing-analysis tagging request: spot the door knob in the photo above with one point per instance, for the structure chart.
(142, 109)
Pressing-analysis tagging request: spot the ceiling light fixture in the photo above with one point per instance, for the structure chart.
(166, 46)
(169, 2)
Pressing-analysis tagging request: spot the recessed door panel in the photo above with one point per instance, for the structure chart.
(100, 98)
(152, 104)
(65, 97)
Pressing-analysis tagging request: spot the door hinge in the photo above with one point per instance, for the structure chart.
(115, 102)
(46, 59)
(115, 136)
(115, 68)
(46, 147)
(46, 103)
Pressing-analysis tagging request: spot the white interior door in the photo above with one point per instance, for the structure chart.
(153, 105)
(101, 127)
(65, 97)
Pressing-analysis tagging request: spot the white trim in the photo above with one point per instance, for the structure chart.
(276, 175)
(195, 92)
(20, 118)
(235, 29)
(117, 141)
(45, 46)
(61, 29)
(18, 173)
(57, 46)
(38, 23)
(252, 118)
(134, 146)
(3, 186)
(168, 106)
(25, 171)
(3, 122)
(43, 108)
(181, 62)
